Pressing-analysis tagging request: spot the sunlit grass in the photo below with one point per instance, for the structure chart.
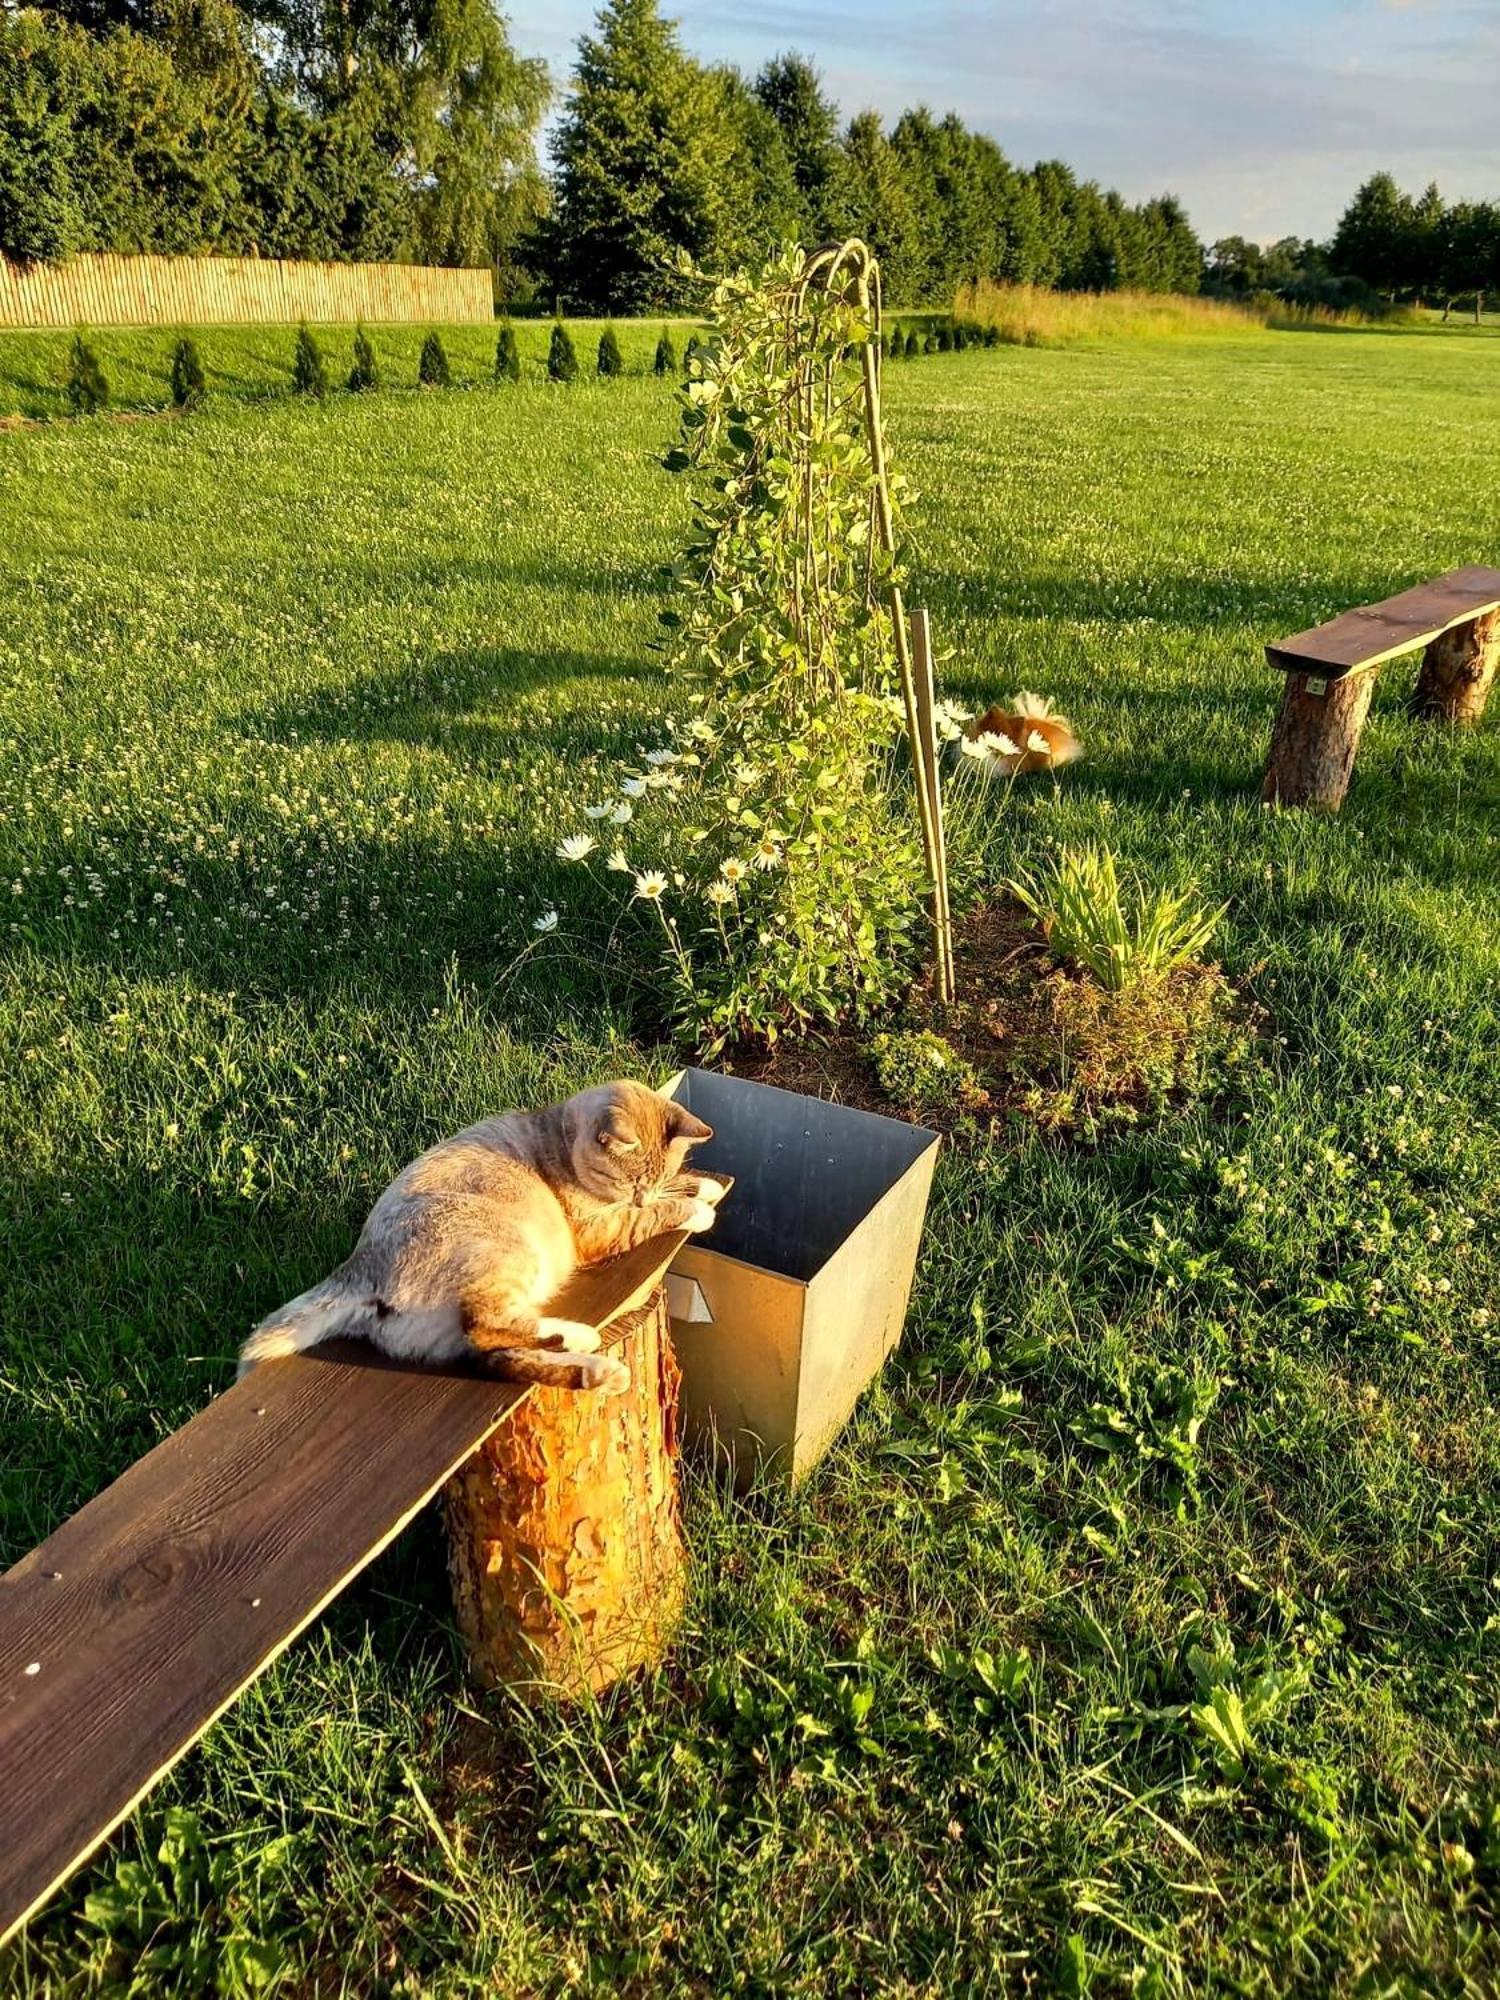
(293, 701)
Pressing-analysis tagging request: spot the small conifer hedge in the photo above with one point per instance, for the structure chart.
(507, 356)
(611, 361)
(365, 374)
(666, 355)
(309, 372)
(189, 386)
(88, 386)
(433, 371)
(562, 358)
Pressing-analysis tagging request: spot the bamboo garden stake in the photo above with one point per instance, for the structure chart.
(860, 271)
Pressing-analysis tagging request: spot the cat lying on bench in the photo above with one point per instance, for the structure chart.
(466, 1245)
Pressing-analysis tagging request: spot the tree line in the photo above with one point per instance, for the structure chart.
(1388, 246)
(396, 129)
(383, 130)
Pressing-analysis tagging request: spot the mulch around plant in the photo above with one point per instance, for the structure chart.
(999, 956)
(1012, 1023)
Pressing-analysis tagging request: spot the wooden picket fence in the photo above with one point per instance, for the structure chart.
(227, 291)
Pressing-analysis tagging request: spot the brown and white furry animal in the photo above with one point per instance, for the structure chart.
(466, 1245)
(1020, 735)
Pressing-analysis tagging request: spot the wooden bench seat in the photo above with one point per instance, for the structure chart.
(1372, 633)
(135, 1625)
(1330, 678)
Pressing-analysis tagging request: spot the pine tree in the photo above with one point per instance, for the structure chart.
(666, 355)
(433, 371)
(188, 384)
(88, 386)
(507, 356)
(791, 90)
(611, 361)
(365, 374)
(562, 360)
(309, 375)
(913, 345)
(636, 180)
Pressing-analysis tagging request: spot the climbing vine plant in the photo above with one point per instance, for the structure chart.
(770, 867)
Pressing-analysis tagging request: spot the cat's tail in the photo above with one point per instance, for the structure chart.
(318, 1314)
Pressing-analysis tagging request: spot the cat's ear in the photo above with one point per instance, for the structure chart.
(615, 1136)
(683, 1125)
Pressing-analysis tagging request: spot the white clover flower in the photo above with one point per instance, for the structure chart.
(650, 886)
(577, 847)
(1038, 745)
(732, 869)
(621, 814)
(547, 921)
(720, 892)
(618, 863)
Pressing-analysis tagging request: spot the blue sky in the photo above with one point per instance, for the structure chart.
(1262, 116)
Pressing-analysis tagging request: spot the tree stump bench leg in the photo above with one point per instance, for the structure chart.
(1458, 671)
(1316, 737)
(564, 1532)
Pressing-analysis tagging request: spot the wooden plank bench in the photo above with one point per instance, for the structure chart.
(136, 1624)
(1331, 669)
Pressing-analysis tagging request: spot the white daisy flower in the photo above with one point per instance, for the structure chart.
(547, 921)
(998, 744)
(597, 812)
(732, 869)
(1038, 745)
(974, 746)
(633, 788)
(720, 892)
(618, 863)
(651, 885)
(660, 757)
(767, 854)
(577, 847)
(621, 814)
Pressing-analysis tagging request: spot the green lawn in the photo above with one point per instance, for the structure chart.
(294, 702)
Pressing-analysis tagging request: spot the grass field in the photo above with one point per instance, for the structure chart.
(1141, 1634)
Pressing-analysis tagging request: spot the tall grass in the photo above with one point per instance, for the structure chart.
(1032, 316)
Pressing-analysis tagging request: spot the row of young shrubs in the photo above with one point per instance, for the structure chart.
(88, 386)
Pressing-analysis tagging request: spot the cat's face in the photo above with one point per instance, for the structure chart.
(627, 1142)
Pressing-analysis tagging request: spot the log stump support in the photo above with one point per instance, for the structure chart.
(1316, 738)
(565, 1545)
(1458, 671)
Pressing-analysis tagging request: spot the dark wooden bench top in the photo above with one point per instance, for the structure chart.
(136, 1624)
(1375, 632)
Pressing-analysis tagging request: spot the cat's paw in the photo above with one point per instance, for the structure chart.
(571, 1336)
(711, 1191)
(700, 1216)
(604, 1374)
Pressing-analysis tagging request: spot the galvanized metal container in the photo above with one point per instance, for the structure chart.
(788, 1308)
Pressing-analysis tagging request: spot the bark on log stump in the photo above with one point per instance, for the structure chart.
(1315, 740)
(565, 1544)
(1458, 671)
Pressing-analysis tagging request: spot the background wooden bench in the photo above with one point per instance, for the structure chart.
(137, 1623)
(1331, 677)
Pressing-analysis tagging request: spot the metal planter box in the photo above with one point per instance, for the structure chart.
(788, 1308)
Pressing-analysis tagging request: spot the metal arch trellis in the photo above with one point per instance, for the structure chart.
(854, 264)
